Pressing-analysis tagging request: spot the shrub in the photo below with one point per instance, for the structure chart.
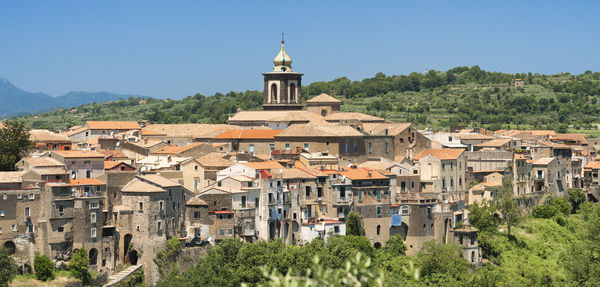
(544, 211)
(8, 268)
(353, 225)
(79, 264)
(561, 204)
(44, 269)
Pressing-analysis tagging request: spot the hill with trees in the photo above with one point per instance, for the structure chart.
(466, 96)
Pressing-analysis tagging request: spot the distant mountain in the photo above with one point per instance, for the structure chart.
(15, 101)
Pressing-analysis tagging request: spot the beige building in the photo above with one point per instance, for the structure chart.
(184, 170)
(442, 170)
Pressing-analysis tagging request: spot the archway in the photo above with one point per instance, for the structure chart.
(273, 93)
(377, 245)
(133, 257)
(10, 246)
(93, 255)
(292, 93)
(472, 256)
(126, 243)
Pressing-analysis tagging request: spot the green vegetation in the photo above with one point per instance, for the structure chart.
(353, 224)
(460, 96)
(8, 267)
(44, 268)
(14, 144)
(79, 264)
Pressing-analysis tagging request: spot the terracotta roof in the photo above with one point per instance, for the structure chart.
(109, 164)
(113, 125)
(361, 173)
(593, 165)
(173, 149)
(79, 154)
(214, 159)
(323, 98)
(190, 130)
(554, 145)
(249, 134)
(518, 156)
(195, 201)
(581, 138)
(263, 165)
(339, 116)
(47, 136)
(11, 176)
(377, 164)
(289, 173)
(159, 180)
(380, 128)
(273, 116)
(319, 129)
(137, 185)
(543, 161)
(149, 132)
(85, 181)
(442, 154)
(42, 161)
(76, 131)
(494, 143)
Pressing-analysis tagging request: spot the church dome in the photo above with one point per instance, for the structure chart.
(282, 62)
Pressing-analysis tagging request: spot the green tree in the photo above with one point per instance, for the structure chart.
(443, 263)
(8, 267)
(544, 211)
(483, 216)
(561, 204)
(582, 259)
(79, 265)
(395, 245)
(509, 209)
(14, 144)
(353, 224)
(44, 269)
(576, 198)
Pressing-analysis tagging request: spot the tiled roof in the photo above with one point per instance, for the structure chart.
(289, 173)
(173, 149)
(79, 154)
(159, 180)
(11, 176)
(362, 174)
(47, 136)
(377, 164)
(593, 165)
(190, 130)
(339, 116)
(263, 165)
(323, 98)
(319, 129)
(113, 125)
(442, 154)
(494, 143)
(109, 164)
(85, 181)
(137, 185)
(248, 134)
(113, 153)
(543, 161)
(581, 138)
(42, 161)
(149, 132)
(214, 159)
(195, 201)
(380, 128)
(273, 116)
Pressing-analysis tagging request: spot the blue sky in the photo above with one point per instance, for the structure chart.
(179, 48)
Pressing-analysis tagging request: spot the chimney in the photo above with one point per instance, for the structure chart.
(370, 174)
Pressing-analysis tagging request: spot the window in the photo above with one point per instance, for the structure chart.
(27, 211)
(161, 206)
(251, 148)
(342, 191)
(73, 174)
(308, 191)
(369, 147)
(378, 229)
(272, 147)
(60, 229)
(159, 225)
(137, 228)
(379, 195)
(443, 182)
(93, 232)
(306, 146)
(451, 182)
(140, 206)
(93, 204)
(386, 146)
(221, 232)
(86, 162)
(30, 228)
(287, 146)
(404, 210)
(229, 231)
(324, 209)
(460, 181)
(378, 211)
(31, 196)
(346, 148)
(196, 183)
(4, 196)
(13, 228)
(319, 192)
(1, 213)
(19, 196)
(354, 148)
(196, 214)
(336, 229)
(196, 168)
(360, 196)
(243, 201)
(443, 166)
(93, 217)
(412, 184)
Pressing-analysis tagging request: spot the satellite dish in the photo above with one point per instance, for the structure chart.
(73, 176)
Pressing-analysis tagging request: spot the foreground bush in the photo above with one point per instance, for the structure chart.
(44, 269)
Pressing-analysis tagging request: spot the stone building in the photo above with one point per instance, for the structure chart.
(260, 142)
(323, 105)
(442, 170)
(81, 164)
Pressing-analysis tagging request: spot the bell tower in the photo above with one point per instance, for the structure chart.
(282, 86)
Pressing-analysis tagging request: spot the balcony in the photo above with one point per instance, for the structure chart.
(344, 200)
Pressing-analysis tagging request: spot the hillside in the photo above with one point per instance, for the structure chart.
(15, 101)
(439, 100)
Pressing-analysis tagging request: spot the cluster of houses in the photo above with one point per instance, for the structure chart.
(121, 188)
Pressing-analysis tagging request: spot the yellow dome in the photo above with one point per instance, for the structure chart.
(282, 62)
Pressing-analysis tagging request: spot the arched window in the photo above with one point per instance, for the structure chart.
(323, 112)
(292, 94)
(93, 255)
(273, 93)
(378, 229)
(473, 256)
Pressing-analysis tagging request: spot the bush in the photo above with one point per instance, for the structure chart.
(44, 269)
(395, 245)
(353, 225)
(576, 198)
(8, 267)
(79, 264)
(544, 211)
(561, 204)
